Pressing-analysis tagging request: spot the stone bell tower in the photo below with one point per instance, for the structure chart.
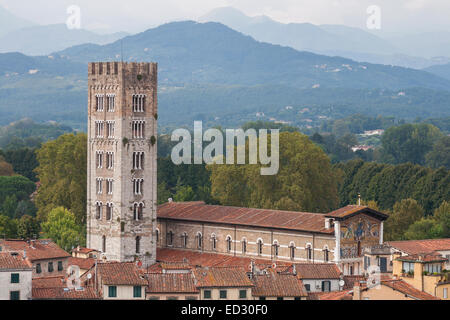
(121, 175)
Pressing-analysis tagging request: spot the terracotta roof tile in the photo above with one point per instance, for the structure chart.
(421, 246)
(221, 277)
(408, 289)
(87, 293)
(199, 211)
(430, 257)
(351, 210)
(171, 283)
(274, 284)
(120, 273)
(333, 295)
(35, 249)
(49, 282)
(13, 260)
(82, 263)
(350, 281)
(317, 271)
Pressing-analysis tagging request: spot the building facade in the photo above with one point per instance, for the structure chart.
(122, 130)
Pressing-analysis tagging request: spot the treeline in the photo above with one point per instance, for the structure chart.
(387, 184)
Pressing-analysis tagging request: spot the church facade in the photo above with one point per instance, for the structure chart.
(339, 237)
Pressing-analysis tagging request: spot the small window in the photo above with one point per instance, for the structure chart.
(262, 298)
(60, 266)
(223, 294)
(242, 294)
(50, 267)
(14, 295)
(38, 268)
(297, 298)
(172, 298)
(279, 298)
(308, 287)
(191, 298)
(137, 292)
(260, 247)
(207, 294)
(112, 291)
(14, 278)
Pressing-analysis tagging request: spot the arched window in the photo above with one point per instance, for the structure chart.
(260, 247)
(169, 238)
(138, 244)
(326, 255)
(308, 252)
(244, 245)
(199, 240)
(229, 243)
(104, 243)
(213, 241)
(184, 240)
(138, 211)
(109, 211)
(292, 250)
(98, 210)
(275, 247)
(157, 235)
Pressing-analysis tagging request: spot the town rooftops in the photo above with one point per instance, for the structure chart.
(83, 250)
(82, 263)
(274, 219)
(423, 258)
(274, 284)
(171, 283)
(13, 260)
(351, 210)
(408, 290)
(49, 282)
(41, 249)
(120, 273)
(87, 293)
(221, 277)
(421, 246)
(317, 271)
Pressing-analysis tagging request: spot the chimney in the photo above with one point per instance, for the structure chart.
(357, 291)
(170, 200)
(328, 223)
(24, 254)
(359, 199)
(294, 269)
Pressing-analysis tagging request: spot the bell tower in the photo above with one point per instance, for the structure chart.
(121, 175)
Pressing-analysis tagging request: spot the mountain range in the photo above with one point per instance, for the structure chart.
(209, 71)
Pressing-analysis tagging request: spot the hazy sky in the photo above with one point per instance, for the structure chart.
(137, 15)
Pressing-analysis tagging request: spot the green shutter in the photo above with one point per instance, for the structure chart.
(223, 294)
(137, 292)
(14, 295)
(112, 291)
(38, 268)
(242, 294)
(14, 278)
(207, 294)
(60, 266)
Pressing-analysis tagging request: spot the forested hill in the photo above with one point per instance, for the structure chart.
(190, 52)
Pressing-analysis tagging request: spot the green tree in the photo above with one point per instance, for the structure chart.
(439, 156)
(305, 180)
(9, 206)
(17, 186)
(6, 169)
(425, 228)
(184, 193)
(8, 227)
(62, 227)
(62, 173)
(25, 207)
(442, 216)
(28, 227)
(409, 143)
(405, 213)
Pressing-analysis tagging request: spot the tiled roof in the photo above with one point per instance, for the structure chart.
(201, 212)
(274, 284)
(421, 246)
(350, 281)
(221, 277)
(351, 210)
(120, 273)
(333, 295)
(10, 260)
(171, 283)
(87, 293)
(175, 266)
(432, 257)
(408, 289)
(317, 271)
(83, 250)
(82, 263)
(35, 249)
(49, 282)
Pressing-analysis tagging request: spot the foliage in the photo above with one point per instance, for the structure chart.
(28, 227)
(439, 156)
(305, 180)
(8, 227)
(62, 173)
(23, 161)
(6, 169)
(62, 227)
(25, 207)
(405, 213)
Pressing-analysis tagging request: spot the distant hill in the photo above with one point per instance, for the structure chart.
(440, 70)
(9, 22)
(42, 40)
(190, 52)
(210, 72)
(301, 36)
